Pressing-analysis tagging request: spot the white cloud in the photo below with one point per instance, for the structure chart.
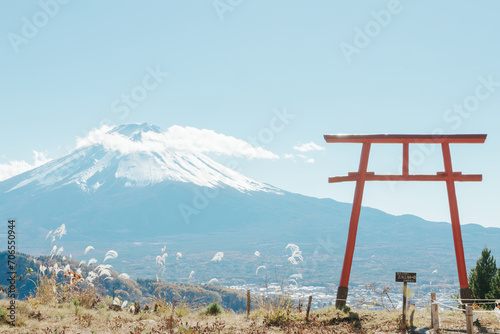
(306, 159)
(176, 138)
(95, 136)
(309, 147)
(13, 168)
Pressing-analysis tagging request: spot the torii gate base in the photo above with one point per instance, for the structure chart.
(363, 175)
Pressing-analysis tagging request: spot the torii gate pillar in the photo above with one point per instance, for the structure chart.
(363, 175)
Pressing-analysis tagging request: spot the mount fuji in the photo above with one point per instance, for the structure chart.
(92, 166)
(106, 188)
(134, 189)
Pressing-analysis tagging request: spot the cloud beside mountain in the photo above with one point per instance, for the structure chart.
(175, 138)
(15, 167)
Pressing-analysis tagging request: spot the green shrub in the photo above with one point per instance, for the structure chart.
(182, 310)
(214, 309)
(3, 315)
(484, 279)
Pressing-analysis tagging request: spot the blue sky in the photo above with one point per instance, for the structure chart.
(233, 65)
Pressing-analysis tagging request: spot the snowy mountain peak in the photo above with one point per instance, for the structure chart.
(126, 156)
(135, 131)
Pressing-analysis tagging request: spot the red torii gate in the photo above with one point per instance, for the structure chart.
(362, 175)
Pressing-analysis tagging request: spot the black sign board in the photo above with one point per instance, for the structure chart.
(406, 277)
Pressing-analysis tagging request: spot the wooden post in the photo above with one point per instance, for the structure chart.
(433, 298)
(403, 325)
(469, 319)
(434, 312)
(412, 313)
(308, 308)
(248, 303)
(173, 311)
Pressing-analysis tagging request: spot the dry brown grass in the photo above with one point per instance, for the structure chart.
(277, 310)
(62, 318)
(46, 290)
(49, 291)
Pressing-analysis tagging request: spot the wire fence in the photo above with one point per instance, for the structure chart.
(465, 306)
(469, 308)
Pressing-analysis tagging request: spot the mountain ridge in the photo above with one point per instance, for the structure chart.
(231, 213)
(138, 166)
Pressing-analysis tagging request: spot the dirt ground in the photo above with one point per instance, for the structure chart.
(68, 319)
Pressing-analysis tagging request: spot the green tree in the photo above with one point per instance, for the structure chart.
(494, 292)
(480, 277)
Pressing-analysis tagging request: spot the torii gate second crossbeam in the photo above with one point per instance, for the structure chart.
(362, 175)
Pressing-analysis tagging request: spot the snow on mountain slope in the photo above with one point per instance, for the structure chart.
(104, 160)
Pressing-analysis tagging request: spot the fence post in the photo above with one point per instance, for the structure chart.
(412, 312)
(433, 297)
(308, 308)
(469, 319)
(434, 312)
(403, 325)
(248, 303)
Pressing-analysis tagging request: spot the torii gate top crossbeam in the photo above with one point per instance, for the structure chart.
(401, 139)
(406, 140)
